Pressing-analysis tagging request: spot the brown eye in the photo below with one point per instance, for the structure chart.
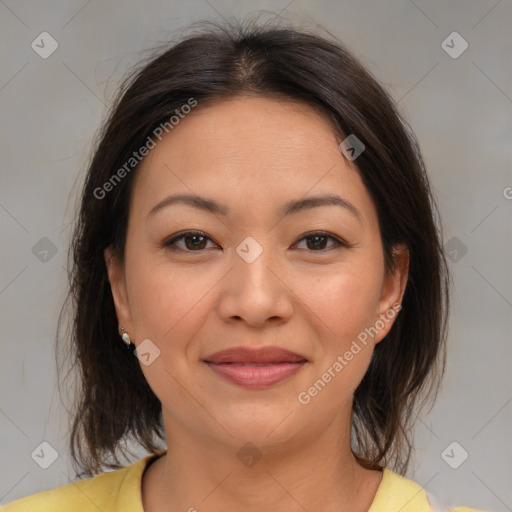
(194, 241)
(317, 241)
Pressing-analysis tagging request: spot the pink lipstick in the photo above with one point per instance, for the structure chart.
(255, 368)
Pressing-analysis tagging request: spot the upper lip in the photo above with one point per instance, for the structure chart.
(255, 355)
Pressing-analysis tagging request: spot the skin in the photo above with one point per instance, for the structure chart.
(253, 154)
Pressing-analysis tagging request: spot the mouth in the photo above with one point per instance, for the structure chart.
(255, 368)
(254, 356)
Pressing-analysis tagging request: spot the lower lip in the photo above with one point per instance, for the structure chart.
(256, 376)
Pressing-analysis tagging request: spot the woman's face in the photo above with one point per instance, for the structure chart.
(258, 277)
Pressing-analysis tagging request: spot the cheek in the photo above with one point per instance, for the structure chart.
(163, 301)
(168, 307)
(345, 300)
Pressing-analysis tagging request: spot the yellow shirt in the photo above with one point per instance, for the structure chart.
(120, 491)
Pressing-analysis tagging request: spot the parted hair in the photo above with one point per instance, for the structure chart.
(113, 402)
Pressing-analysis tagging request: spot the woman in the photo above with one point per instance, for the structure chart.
(259, 279)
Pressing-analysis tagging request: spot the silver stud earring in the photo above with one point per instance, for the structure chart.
(126, 337)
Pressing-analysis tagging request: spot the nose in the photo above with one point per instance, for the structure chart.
(255, 291)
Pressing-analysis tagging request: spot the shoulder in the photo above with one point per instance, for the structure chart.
(112, 491)
(397, 492)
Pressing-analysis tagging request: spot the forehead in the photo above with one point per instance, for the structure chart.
(252, 150)
(250, 127)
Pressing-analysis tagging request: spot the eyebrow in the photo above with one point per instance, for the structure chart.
(289, 208)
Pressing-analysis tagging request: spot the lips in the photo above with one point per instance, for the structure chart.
(255, 368)
(261, 355)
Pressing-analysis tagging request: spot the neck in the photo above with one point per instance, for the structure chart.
(198, 474)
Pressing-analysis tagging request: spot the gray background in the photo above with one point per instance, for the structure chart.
(460, 109)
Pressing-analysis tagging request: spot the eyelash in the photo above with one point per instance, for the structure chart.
(168, 244)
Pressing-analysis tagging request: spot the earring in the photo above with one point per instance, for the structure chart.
(126, 337)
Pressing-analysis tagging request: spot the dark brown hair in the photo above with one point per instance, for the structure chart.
(114, 402)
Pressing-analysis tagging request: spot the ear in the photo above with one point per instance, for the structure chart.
(117, 281)
(393, 290)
